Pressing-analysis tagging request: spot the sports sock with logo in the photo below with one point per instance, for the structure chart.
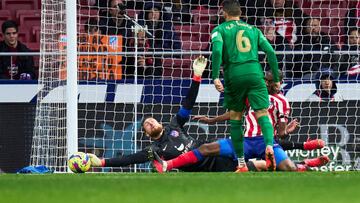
(267, 130)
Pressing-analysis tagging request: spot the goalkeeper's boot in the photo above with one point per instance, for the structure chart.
(159, 164)
(302, 167)
(317, 162)
(314, 144)
(242, 168)
(95, 161)
(270, 158)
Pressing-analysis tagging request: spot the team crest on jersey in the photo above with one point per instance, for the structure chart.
(174, 133)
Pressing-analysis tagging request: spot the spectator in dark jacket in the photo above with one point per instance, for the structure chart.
(178, 11)
(14, 67)
(288, 18)
(326, 89)
(350, 61)
(312, 39)
(113, 21)
(164, 38)
(147, 65)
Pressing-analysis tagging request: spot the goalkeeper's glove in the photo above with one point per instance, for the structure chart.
(199, 65)
(95, 161)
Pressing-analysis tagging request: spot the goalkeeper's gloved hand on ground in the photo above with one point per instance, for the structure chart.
(199, 65)
(96, 161)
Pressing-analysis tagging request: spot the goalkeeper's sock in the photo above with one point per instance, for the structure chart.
(103, 162)
(237, 137)
(187, 158)
(267, 130)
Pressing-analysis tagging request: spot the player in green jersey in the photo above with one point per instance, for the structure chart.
(235, 44)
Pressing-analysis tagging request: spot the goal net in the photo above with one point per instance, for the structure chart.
(129, 68)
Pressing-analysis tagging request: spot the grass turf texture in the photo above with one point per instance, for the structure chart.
(340, 187)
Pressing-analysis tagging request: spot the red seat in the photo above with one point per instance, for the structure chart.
(177, 67)
(195, 45)
(191, 33)
(35, 31)
(20, 13)
(88, 13)
(131, 12)
(23, 35)
(204, 15)
(14, 5)
(83, 16)
(4, 16)
(33, 46)
(29, 19)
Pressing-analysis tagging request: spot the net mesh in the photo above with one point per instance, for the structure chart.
(311, 38)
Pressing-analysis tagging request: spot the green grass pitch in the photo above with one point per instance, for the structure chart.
(339, 187)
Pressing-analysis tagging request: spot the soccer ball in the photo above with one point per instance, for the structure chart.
(79, 162)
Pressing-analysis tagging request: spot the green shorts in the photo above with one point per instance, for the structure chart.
(252, 87)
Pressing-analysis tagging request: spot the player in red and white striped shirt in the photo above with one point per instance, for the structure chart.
(279, 111)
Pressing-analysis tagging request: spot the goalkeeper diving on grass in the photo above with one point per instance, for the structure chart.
(172, 140)
(235, 44)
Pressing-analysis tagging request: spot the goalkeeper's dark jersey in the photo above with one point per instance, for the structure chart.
(175, 141)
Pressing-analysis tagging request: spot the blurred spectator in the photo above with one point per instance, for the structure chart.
(275, 39)
(312, 40)
(147, 65)
(113, 21)
(178, 10)
(353, 16)
(350, 62)
(89, 3)
(14, 67)
(164, 38)
(288, 18)
(92, 26)
(353, 40)
(326, 89)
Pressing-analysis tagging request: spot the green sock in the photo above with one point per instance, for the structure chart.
(267, 130)
(237, 137)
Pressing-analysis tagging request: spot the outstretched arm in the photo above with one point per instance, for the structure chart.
(137, 158)
(270, 55)
(217, 49)
(207, 120)
(188, 103)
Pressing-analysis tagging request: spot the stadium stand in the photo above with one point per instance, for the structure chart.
(14, 5)
(194, 36)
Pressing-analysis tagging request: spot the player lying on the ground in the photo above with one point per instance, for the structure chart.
(254, 146)
(235, 44)
(171, 140)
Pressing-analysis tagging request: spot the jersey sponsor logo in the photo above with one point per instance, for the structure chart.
(180, 148)
(174, 133)
(164, 148)
(214, 35)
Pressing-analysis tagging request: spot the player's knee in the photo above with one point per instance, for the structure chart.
(204, 150)
(261, 112)
(208, 149)
(287, 165)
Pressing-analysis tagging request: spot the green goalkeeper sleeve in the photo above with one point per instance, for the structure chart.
(271, 56)
(216, 57)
